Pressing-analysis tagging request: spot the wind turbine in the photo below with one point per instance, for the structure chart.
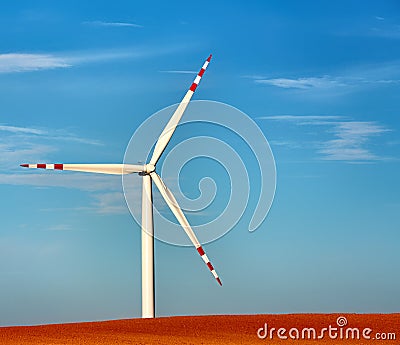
(148, 172)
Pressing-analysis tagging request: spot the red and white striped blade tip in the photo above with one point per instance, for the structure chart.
(24, 165)
(206, 260)
(209, 58)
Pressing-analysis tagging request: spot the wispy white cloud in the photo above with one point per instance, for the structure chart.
(115, 24)
(18, 144)
(14, 129)
(62, 135)
(385, 28)
(305, 119)
(13, 154)
(324, 83)
(81, 181)
(28, 62)
(46, 133)
(59, 227)
(112, 203)
(107, 200)
(351, 139)
(302, 83)
(389, 31)
(355, 78)
(290, 144)
(18, 62)
(300, 118)
(179, 72)
(32, 144)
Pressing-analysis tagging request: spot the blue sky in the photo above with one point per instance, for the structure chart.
(321, 81)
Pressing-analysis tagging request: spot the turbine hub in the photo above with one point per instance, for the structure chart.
(149, 168)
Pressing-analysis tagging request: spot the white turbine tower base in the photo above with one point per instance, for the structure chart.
(147, 250)
(149, 174)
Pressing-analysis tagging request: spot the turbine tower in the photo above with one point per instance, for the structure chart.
(149, 174)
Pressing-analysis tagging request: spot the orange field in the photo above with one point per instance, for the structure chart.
(223, 329)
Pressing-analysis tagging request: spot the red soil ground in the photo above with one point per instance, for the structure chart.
(224, 329)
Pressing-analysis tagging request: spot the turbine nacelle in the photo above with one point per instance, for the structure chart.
(149, 168)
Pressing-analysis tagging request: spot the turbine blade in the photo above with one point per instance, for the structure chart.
(176, 210)
(114, 169)
(169, 129)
